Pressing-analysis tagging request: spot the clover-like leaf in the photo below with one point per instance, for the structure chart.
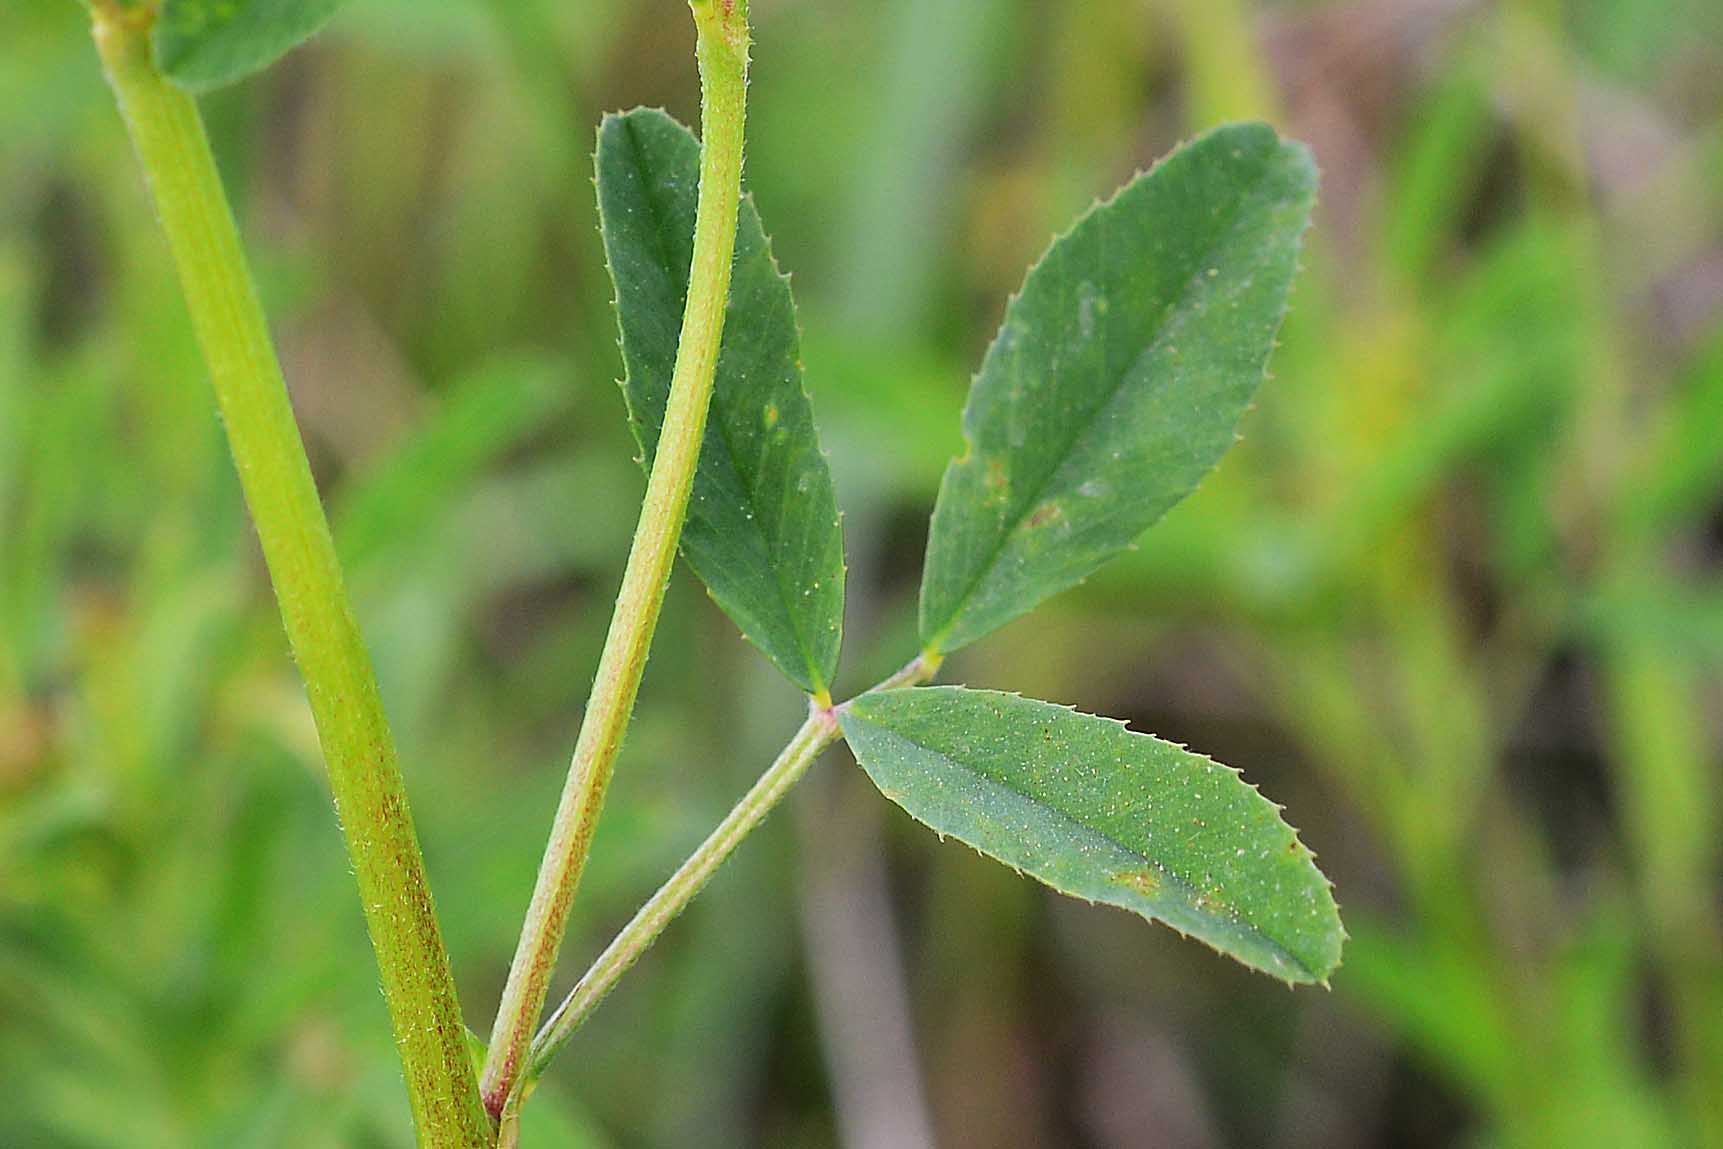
(1097, 811)
(201, 44)
(763, 531)
(1118, 378)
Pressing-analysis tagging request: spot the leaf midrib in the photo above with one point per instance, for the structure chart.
(1170, 318)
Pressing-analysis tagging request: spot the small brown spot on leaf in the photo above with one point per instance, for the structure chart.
(1146, 882)
(1045, 513)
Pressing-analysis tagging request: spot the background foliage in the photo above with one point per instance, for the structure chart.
(1457, 601)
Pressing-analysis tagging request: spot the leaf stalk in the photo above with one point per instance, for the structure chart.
(818, 732)
(799, 754)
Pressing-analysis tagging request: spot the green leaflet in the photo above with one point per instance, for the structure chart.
(201, 44)
(1118, 378)
(1096, 811)
(763, 530)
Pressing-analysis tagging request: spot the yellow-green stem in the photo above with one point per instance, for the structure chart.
(722, 28)
(364, 774)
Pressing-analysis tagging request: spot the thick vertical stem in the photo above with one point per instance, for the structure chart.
(723, 55)
(364, 774)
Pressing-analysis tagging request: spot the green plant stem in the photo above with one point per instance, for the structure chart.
(364, 774)
(817, 733)
(722, 28)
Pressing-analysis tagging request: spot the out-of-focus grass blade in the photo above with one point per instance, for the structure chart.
(481, 418)
(928, 90)
(15, 310)
(1441, 161)
(1682, 471)
(1439, 999)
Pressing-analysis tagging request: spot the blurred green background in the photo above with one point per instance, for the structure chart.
(1457, 601)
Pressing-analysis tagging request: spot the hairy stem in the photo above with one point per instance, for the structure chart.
(364, 775)
(723, 55)
(817, 733)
